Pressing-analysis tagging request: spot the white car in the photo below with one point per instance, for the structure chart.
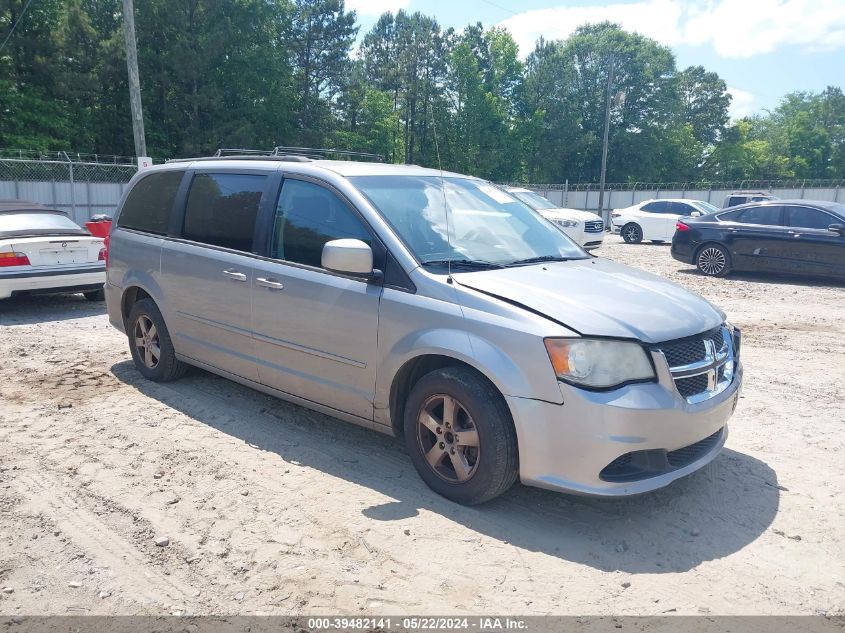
(43, 251)
(583, 227)
(654, 220)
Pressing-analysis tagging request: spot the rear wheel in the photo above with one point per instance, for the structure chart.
(150, 344)
(460, 436)
(713, 260)
(95, 295)
(632, 233)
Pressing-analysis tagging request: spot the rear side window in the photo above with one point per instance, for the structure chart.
(768, 215)
(148, 205)
(307, 217)
(658, 206)
(222, 208)
(806, 218)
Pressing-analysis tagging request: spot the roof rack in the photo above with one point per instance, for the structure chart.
(287, 154)
(313, 152)
(226, 151)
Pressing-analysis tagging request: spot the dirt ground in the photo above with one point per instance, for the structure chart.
(270, 508)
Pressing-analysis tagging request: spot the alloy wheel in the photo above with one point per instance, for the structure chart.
(147, 342)
(632, 234)
(448, 438)
(711, 261)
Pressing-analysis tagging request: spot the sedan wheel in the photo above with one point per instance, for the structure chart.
(447, 436)
(713, 261)
(632, 233)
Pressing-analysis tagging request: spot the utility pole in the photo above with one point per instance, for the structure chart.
(606, 134)
(134, 80)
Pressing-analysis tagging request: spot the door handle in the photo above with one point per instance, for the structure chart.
(269, 283)
(234, 275)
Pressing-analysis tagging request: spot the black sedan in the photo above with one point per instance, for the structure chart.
(779, 236)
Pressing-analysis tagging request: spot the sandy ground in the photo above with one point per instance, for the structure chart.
(270, 508)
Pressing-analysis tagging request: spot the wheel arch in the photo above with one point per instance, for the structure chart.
(136, 289)
(415, 368)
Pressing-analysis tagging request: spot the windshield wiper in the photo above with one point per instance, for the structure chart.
(463, 263)
(541, 258)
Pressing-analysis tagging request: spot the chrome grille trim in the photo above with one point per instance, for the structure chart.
(717, 364)
(594, 226)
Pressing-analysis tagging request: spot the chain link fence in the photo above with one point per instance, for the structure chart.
(620, 195)
(82, 185)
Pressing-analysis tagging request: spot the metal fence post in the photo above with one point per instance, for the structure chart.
(72, 192)
(566, 194)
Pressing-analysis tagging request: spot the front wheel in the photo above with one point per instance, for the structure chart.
(460, 436)
(632, 233)
(713, 260)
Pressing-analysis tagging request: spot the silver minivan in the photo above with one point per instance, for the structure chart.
(431, 306)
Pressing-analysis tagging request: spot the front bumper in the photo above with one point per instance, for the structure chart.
(52, 280)
(566, 447)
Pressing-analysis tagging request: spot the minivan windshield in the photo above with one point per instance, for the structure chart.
(533, 200)
(485, 226)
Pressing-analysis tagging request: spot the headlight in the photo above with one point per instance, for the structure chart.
(566, 223)
(599, 364)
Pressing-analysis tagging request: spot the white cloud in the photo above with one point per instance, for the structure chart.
(742, 103)
(734, 28)
(376, 7)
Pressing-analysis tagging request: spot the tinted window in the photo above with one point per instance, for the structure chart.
(768, 215)
(148, 205)
(222, 209)
(307, 217)
(682, 208)
(659, 206)
(735, 200)
(806, 218)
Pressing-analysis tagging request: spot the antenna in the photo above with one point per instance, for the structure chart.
(443, 192)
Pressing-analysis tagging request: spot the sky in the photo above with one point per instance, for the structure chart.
(763, 49)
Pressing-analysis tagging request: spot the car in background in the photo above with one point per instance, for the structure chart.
(736, 198)
(583, 227)
(779, 236)
(654, 220)
(43, 251)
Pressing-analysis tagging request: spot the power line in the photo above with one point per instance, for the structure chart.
(500, 7)
(15, 25)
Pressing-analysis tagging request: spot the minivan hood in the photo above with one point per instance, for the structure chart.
(598, 297)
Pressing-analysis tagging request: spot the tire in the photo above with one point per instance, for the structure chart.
(632, 233)
(146, 324)
(95, 295)
(713, 260)
(487, 459)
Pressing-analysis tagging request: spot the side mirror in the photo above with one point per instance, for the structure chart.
(837, 228)
(695, 214)
(351, 257)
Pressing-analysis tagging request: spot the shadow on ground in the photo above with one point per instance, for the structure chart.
(31, 309)
(776, 278)
(708, 515)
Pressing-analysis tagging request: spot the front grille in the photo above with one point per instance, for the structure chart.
(690, 350)
(689, 387)
(688, 454)
(594, 226)
(639, 465)
(701, 365)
